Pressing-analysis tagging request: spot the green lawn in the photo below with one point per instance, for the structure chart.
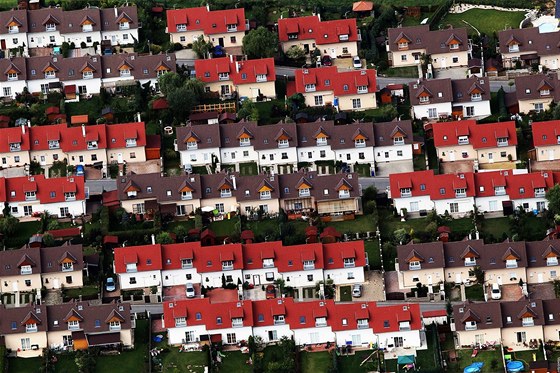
(419, 161)
(175, 361)
(314, 362)
(464, 359)
(266, 113)
(8, 4)
(351, 363)
(363, 169)
(225, 227)
(345, 293)
(236, 362)
(22, 234)
(362, 223)
(403, 72)
(87, 291)
(475, 292)
(486, 21)
(372, 250)
(427, 359)
(20, 365)
(527, 356)
(65, 363)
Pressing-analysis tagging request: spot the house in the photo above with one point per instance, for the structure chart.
(482, 143)
(537, 92)
(62, 266)
(238, 144)
(527, 191)
(546, 139)
(344, 262)
(261, 262)
(422, 190)
(301, 266)
(491, 192)
(126, 143)
(253, 79)
(471, 97)
(337, 39)
(86, 145)
(225, 28)
(120, 25)
(82, 27)
(218, 263)
(14, 146)
(178, 264)
(346, 90)
(431, 99)
(528, 46)
(420, 263)
(198, 145)
(542, 261)
(21, 270)
(393, 146)
(276, 148)
(138, 266)
(62, 197)
(522, 322)
(333, 195)
(44, 27)
(24, 329)
(477, 323)
(310, 323)
(219, 192)
(551, 328)
(270, 319)
(14, 33)
(80, 325)
(149, 193)
(14, 79)
(46, 140)
(197, 320)
(258, 195)
(126, 69)
(447, 48)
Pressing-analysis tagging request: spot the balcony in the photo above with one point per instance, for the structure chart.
(266, 195)
(237, 323)
(268, 263)
(292, 36)
(186, 196)
(31, 328)
(414, 266)
(131, 268)
(344, 194)
(181, 28)
(499, 191)
(69, 196)
(513, 48)
(224, 193)
(130, 143)
(476, 97)
(92, 145)
(398, 141)
(406, 193)
(50, 75)
(87, 28)
(283, 144)
(67, 267)
(320, 322)
(25, 270)
(511, 263)
(227, 266)
(362, 89)
(528, 321)
(363, 324)
(261, 78)
(463, 141)
(231, 28)
(540, 192)
(186, 263)
(72, 326)
(244, 142)
(12, 77)
(503, 142)
(304, 193)
(460, 194)
(192, 146)
(279, 320)
(13, 29)
(50, 27)
(349, 263)
(552, 261)
(360, 144)
(180, 322)
(54, 144)
(308, 266)
(322, 141)
(115, 327)
(30, 196)
(125, 73)
(223, 76)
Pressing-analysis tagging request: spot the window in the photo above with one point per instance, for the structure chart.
(454, 207)
(455, 59)
(7, 91)
(318, 100)
(356, 103)
(432, 113)
(399, 153)
(403, 57)
(189, 336)
(470, 111)
(521, 337)
(231, 339)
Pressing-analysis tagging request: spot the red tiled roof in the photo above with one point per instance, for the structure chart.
(435, 313)
(173, 254)
(211, 22)
(14, 135)
(117, 134)
(41, 135)
(146, 257)
(546, 133)
(240, 72)
(47, 190)
(310, 27)
(335, 253)
(254, 253)
(523, 185)
(436, 186)
(291, 258)
(480, 135)
(65, 232)
(362, 6)
(330, 79)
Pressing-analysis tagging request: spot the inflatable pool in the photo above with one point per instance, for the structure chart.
(514, 366)
(473, 368)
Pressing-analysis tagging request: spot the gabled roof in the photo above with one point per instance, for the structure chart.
(414, 256)
(330, 79)
(209, 21)
(439, 91)
(146, 257)
(311, 28)
(510, 254)
(335, 253)
(470, 315)
(546, 133)
(385, 132)
(470, 252)
(480, 135)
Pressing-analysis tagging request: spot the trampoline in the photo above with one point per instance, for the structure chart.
(473, 368)
(514, 366)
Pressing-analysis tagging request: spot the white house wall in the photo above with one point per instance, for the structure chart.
(16, 86)
(314, 335)
(199, 157)
(215, 278)
(281, 331)
(78, 37)
(390, 153)
(340, 276)
(143, 279)
(465, 205)
(421, 111)
(117, 36)
(176, 336)
(43, 39)
(176, 277)
(423, 202)
(411, 338)
(300, 278)
(75, 208)
(366, 337)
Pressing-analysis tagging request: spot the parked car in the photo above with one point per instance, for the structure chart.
(110, 284)
(496, 291)
(326, 60)
(270, 292)
(357, 62)
(357, 290)
(79, 170)
(189, 290)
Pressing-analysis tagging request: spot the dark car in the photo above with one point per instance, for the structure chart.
(326, 60)
(270, 292)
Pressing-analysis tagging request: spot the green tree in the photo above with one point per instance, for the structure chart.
(170, 82)
(502, 108)
(260, 43)
(553, 198)
(164, 238)
(248, 111)
(85, 362)
(48, 240)
(181, 101)
(8, 225)
(202, 47)
(296, 53)
(328, 288)
(196, 86)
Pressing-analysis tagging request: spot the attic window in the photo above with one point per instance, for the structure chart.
(208, 190)
(207, 74)
(198, 316)
(385, 323)
(342, 141)
(441, 191)
(327, 82)
(440, 94)
(484, 139)
(430, 260)
(331, 260)
(290, 263)
(247, 193)
(461, 310)
(492, 260)
(209, 263)
(149, 189)
(422, 186)
(345, 87)
(213, 25)
(481, 188)
(444, 137)
(544, 137)
(532, 259)
(508, 319)
(197, 22)
(451, 259)
(488, 320)
(168, 193)
(527, 91)
(243, 76)
(261, 317)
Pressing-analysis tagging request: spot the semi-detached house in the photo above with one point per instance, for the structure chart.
(536, 93)
(546, 139)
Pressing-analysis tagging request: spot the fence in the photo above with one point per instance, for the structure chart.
(221, 107)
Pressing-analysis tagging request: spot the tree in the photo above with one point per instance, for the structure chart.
(48, 240)
(8, 225)
(248, 111)
(85, 362)
(202, 47)
(328, 287)
(196, 86)
(260, 43)
(502, 108)
(164, 238)
(181, 101)
(169, 82)
(553, 198)
(296, 53)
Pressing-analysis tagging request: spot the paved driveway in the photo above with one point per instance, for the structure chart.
(373, 286)
(454, 73)
(148, 167)
(509, 293)
(542, 291)
(545, 165)
(385, 169)
(457, 166)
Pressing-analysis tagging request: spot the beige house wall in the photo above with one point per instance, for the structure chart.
(497, 154)
(74, 157)
(423, 276)
(13, 342)
(127, 336)
(526, 106)
(36, 155)
(468, 338)
(251, 90)
(273, 205)
(509, 336)
(190, 36)
(215, 38)
(544, 153)
(328, 97)
(509, 58)
(367, 101)
(506, 275)
(6, 283)
(230, 203)
(454, 153)
(10, 159)
(409, 53)
(445, 60)
(551, 332)
(544, 272)
(139, 153)
(49, 279)
(451, 274)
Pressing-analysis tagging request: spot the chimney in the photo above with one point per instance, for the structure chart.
(237, 67)
(23, 129)
(319, 16)
(84, 130)
(232, 177)
(28, 123)
(153, 239)
(207, 7)
(138, 117)
(231, 58)
(116, 12)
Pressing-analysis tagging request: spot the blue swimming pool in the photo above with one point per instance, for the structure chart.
(514, 366)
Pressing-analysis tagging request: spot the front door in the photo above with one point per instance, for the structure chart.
(221, 42)
(120, 158)
(256, 279)
(540, 278)
(3, 44)
(443, 63)
(491, 157)
(452, 156)
(458, 278)
(499, 280)
(56, 283)
(429, 279)
(43, 161)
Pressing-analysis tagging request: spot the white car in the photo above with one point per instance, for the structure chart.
(189, 290)
(357, 62)
(496, 292)
(357, 290)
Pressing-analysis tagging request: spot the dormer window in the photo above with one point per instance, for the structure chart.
(30, 196)
(115, 325)
(88, 27)
(283, 143)
(261, 78)
(414, 265)
(192, 145)
(54, 144)
(25, 270)
(227, 265)
(186, 195)
(470, 325)
(499, 190)
(131, 267)
(125, 72)
(293, 36)
(31, 328)
(92, 145)
(279, 319)
(424, 99)
(67, 267)
(265, 194)
(181, 27)
(552, 261)
(344, 193)
(180, 322)
(87, 74)
(236, 322)
(454, 46)
(231, 28)
(14, 29)
(12, 76)
(225, 193)
(349, 262)
(223, 76)
(321, 141)
(124, 25)
(73, 325)
(363, 323)
(539, 192)
(406, 192)
(460, 193)
(476, 97)
(463, 140)
(514, 48)
(130, 143)
(470, 261)
(50, 27)
(511, 263)
(404, 325)
(131, 193)
(310, 88)
(244, 141)
(403, 45)
(360, 143)
(528, 321)
(268, 263)
(545, 92)
(308, 264)
(362, 89)
(304, 192)
(186, 263)
(502, 141)
(51, 74)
